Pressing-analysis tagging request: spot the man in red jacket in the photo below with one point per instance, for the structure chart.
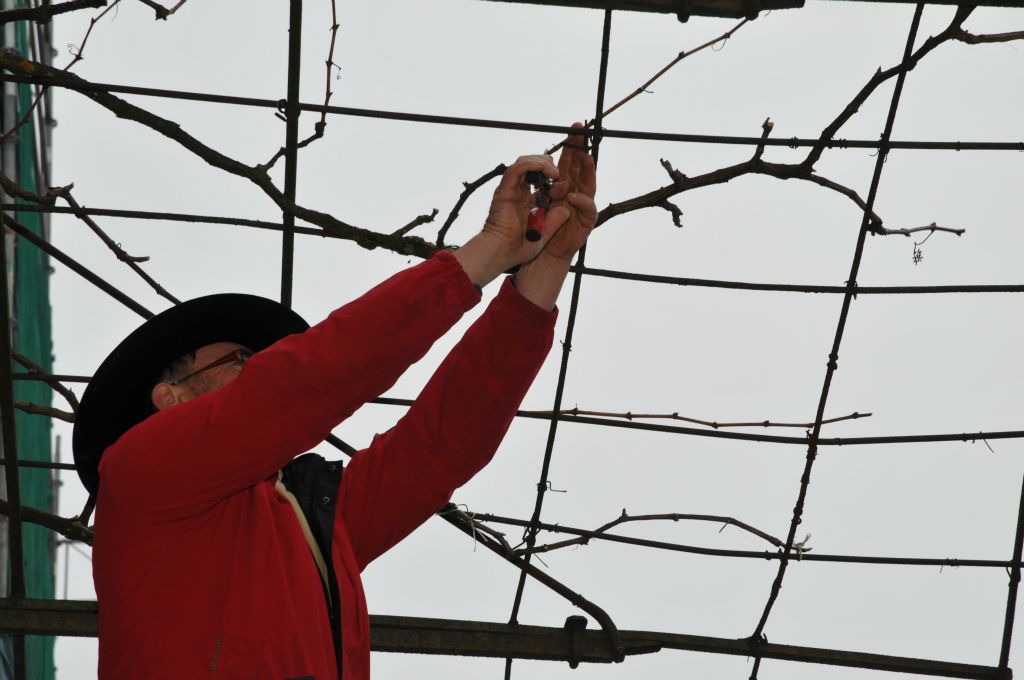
(217, 552)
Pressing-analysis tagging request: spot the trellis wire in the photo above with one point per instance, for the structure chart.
(292, 107)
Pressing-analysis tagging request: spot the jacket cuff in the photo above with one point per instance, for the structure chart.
(467, 294)
(527, 314)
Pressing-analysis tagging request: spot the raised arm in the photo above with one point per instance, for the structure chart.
(458, 421)
(452, 429)
(287, 397)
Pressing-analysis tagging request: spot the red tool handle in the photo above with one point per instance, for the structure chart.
(535, 226)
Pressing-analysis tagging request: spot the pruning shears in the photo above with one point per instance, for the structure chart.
(542, 199)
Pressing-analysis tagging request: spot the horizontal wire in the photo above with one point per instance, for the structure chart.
(169, 216)
(749, 436)
(679, 429)
(587, 271)
(801, 288)
(779, 439)
(749, 554)
(794, 142)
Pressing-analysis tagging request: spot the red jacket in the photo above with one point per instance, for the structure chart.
(202, 568)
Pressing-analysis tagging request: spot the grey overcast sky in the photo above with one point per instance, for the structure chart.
(919, 364)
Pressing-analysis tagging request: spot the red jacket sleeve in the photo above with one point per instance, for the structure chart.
(451, 431)
(288, 397)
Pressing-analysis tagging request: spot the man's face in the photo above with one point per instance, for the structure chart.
(218, 376)
(165, 395)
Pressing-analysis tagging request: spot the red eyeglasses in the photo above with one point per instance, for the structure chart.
(236, 356)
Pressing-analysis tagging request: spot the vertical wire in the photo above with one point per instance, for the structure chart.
(851, 291)
(1011, 595)
(542, 485)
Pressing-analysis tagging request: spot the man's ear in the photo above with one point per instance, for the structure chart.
(163, 396)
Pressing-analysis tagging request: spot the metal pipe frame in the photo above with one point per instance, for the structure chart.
(291, 160)
(8, 440)
(722, 8)
(571, 643)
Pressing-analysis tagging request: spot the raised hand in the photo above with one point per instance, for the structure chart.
(572, 204)
(568, 221)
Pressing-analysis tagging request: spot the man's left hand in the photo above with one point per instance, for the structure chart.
(572, 200)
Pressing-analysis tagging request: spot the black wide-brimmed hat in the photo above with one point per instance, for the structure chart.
(117, 397)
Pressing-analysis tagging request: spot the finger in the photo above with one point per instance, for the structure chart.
(576, 174)
(583, 170)
(569, 165)
(576, 141)
(564, 183)
(586, 209)
(576, 159)
(581, 201)
(572, 143)
(513, 177)
(586, 177)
